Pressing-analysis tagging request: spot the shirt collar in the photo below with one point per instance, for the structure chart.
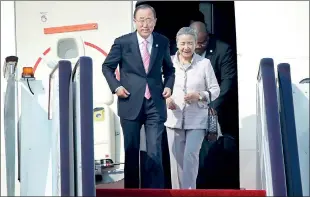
(140, 39)
(204, 53)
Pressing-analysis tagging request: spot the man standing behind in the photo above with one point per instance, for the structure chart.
(224, 65)
(143, 57)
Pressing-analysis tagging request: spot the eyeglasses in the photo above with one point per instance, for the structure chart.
(204, 43)
(147, 21)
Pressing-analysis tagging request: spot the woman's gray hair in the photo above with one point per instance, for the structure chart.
(187, 31)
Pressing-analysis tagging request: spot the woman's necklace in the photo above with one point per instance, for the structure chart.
(185, 62)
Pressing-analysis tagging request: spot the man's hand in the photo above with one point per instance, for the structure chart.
(122, 92)
(167, 93)
(191, 97)
(170, 104)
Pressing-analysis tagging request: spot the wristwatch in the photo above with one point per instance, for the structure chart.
(200, 97)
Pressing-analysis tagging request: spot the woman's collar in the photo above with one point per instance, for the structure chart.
(176, 57)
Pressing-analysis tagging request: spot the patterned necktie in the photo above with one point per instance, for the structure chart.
(146, 63)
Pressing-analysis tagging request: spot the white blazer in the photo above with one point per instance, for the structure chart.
(196, 77)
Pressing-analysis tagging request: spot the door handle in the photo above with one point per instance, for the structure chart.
(305, 80)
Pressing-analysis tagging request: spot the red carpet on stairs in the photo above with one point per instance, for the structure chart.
(176, 193)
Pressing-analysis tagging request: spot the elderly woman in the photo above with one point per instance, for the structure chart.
(187, 109)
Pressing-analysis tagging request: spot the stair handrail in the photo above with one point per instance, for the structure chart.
(11, 129)
(83, 126)
(288, 131)
(270, 143)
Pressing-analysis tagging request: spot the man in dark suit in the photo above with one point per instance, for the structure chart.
(143, 58)
(223, 60)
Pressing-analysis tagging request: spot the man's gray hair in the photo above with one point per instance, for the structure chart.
(187, 31)
(144, 6)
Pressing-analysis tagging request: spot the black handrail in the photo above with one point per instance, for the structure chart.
(84, 69)
(305, 80)
(64, 72)
(267, 75)
(288, 130)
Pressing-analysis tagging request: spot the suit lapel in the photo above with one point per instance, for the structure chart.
(154, 52)
(211, 55)
(210, 49)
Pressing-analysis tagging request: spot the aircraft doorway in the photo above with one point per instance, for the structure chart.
(219, 17)
(220, 20)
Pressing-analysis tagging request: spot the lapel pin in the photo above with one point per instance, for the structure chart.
(211, 51)
(156, 45)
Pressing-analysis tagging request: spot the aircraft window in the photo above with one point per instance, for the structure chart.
(67, 48)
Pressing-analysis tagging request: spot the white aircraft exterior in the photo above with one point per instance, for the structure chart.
(275, 29)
